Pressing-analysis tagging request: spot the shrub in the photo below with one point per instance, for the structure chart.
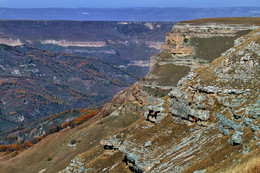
(49, 158)
(14, 153)
(186, 40)
(73, 141)
(27, 145)
(14, 149)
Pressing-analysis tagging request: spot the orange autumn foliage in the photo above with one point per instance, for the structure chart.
(14, 149)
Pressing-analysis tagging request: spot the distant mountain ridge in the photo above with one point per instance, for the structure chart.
(126, 14)
(52, 66)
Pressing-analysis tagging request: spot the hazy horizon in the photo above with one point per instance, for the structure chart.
(127, 3)
(119, 7)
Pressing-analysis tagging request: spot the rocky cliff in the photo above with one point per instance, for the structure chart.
(197, 110)
(200, 104)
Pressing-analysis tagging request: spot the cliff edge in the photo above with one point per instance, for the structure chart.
(197, 110)
(200, 104)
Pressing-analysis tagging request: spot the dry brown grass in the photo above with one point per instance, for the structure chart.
(226, 20)
(168, 74)
(251, 166)
(206, 73)
(212, 48)
(56, 145)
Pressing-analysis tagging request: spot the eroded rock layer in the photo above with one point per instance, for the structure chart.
(200, 108)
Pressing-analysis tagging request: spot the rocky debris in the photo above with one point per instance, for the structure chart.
(195, 128)
(71, 145)
(224, 131)
(183, 80)
(249, 122)
(155, 113)
(231, 124)
(147, 144)
(42, 171)
(189, 61)
(176, 93)
(219, 116)
(185, 111)
(209, 89)
(254, 113)
(134, 160)
(194, 108)
(140, 159)
(154, 116)
(200, 171)
(246, 149)
(182, 153)
(236, 138)
(256, 136)
(112, 143)
(76, 165)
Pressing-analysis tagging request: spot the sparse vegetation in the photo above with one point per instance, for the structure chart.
(252, 166)
(86, 114)
(169, 74)
(14, 153)
(73, 141)
(49, 158)
(205, 47)
(186, 40)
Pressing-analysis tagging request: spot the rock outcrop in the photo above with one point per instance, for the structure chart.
(207, 116)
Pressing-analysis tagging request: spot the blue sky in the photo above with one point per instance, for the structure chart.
(126, 3)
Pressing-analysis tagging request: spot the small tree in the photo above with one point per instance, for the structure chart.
(49, 158)
(73, 141)
(14, 153)
(186, 40)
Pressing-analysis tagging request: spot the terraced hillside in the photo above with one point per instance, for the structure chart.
(193, 112)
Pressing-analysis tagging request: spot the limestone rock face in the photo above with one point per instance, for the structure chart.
(176, 41)
(229, 85)
(210, 110)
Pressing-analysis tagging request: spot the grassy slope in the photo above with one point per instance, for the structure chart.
(249, 164)
(168, 74)
(211, 48)
(56, 145)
